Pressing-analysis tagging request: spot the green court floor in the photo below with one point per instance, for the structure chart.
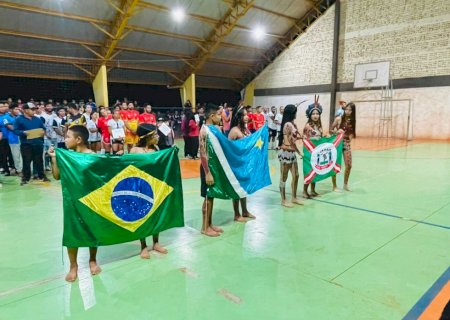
(367, 254)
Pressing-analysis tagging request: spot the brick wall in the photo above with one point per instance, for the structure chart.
(306, 62)
(412, 34)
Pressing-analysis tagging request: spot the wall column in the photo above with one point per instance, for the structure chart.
(249, 94)
(100, 87)
(187, 91)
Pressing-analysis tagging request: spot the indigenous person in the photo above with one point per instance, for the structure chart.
(238, 131)
(346, 124)
(287, 154)
(313, 131)
(213, 115)
(76, 140)
(148, 142)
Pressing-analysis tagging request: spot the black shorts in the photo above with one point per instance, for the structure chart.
(203, 185)
(272, 133)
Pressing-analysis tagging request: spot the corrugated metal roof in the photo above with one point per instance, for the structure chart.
(154, 49)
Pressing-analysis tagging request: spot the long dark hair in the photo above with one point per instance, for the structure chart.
(188, 116)
(352, 117)
(238, 118)
(289, 114)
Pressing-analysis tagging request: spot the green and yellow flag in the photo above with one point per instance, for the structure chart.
(109, 200)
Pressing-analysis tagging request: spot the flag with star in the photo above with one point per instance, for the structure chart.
(239, 167)
(109, 199)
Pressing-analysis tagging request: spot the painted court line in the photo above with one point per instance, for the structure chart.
(379, 213)
(385, 214)
(428, 306)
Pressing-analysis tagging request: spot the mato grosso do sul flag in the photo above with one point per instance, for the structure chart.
(109, 200)
(322, 158)
(239, 167)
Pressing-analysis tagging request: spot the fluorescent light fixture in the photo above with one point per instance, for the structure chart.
(259, 32)
(178, 14)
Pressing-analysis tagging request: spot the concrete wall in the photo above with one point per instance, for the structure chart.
(412, 34)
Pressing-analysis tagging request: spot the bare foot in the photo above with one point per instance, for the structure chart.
(95, 268)
(159, 248)
(145, 254)
(72, 275)
(297, 201)
(210, 233)
(239, 219)
(216, 229)
(286, 204)
(248, 215)
(346, 188)
(314, 194)
(306, 195)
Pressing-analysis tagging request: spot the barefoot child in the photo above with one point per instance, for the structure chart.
(288, 148)
(148, 142)
(238, 131)
(76, 140)
(313, 131)
(213, 115)
(346, 124)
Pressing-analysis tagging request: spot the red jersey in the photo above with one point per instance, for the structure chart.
(132, 115)
(102, 124)
(147, 118)
(123, 115)
(251, 119)
(258, 121)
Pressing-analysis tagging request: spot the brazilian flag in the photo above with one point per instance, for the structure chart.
(109, 200)
(322, 158)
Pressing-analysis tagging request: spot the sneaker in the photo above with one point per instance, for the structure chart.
(35, 177)
(23, 182)
(45, 179)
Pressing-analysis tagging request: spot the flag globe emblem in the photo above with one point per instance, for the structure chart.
(132, 199)
(129, 199)
(323, 158)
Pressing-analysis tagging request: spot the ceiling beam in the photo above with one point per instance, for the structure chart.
(120, 21)
(237, 10)
(87, 44)
(210, 21)
(87, 65)
(275, 13)
(41, 76)
(98, 22)
(78, 78)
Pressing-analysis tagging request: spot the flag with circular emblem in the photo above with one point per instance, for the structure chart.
(322, 158)
(109, 200)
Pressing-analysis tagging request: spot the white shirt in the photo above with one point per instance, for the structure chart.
(116, 124)
(279, 118)
(271, 123)
(93, 136)
(57, 123)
